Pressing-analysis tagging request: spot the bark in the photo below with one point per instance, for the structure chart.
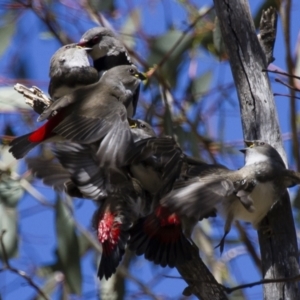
(260, 121)
(201, 281)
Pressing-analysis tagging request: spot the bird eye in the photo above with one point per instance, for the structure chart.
(143, 126)
(96, 39)
(132, 71)
(261, 143)
(68, 47)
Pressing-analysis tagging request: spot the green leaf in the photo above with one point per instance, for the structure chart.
(104, 6)
(160, 46)
(68, 247)
(10, 191)
(201, 85)
(7, 30)
(130, 27)
(9, 222)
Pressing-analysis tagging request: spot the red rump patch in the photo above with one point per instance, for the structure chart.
(163, 225)
(45, 131)
(166, 217)
(108, 232)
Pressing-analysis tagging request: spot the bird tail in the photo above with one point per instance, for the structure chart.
(21, 145)
(112, 231)
(159, 236)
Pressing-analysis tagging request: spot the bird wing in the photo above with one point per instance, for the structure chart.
(198, 199)
(52, 173)
(77, 97)
(162, 154)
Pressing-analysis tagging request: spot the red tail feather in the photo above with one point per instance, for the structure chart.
(45, 131)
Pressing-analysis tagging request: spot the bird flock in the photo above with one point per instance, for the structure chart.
(149, 194)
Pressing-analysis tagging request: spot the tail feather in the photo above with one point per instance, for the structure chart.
(112, 227)
(21, 145)
(160, 238)
(110, 259)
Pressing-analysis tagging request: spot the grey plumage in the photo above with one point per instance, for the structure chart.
(92, 113)
(107, 51)
(70, 69)
(246, 194)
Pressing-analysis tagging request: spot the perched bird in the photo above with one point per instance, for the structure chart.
(107, 51)
(246, 194)
(120, 198)
(70, 69)
(75, 169)
(89, 114)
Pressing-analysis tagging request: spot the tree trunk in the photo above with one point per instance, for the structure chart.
(279, 252)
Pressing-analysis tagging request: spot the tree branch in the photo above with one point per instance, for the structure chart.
(260, 121)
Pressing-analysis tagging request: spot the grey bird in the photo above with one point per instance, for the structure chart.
(121, 198)
(246, 194)
(91, 113)
(70, 69)
(75, 168)
(107, 51)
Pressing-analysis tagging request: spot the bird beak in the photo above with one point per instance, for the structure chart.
(140, 76)
(249, 144)
(82, 43)
(132, 123)
(84, 48)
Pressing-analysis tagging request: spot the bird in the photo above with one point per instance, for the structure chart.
(107, 51)
(246, 194)
(91, 113)
(114, 217)
(70, 69)
(119, 198)
(162, 236)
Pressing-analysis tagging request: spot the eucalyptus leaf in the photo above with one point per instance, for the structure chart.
(103, 6)
(68, 247)
(160, 46)
(201, 85)
(11, 191)
(9, 224)
(6, 30)
(130, 27)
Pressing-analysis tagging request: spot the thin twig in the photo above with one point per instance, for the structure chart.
(247, 285)
(281, 73)
(7, 266)
(286, 95)
(287, 85)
